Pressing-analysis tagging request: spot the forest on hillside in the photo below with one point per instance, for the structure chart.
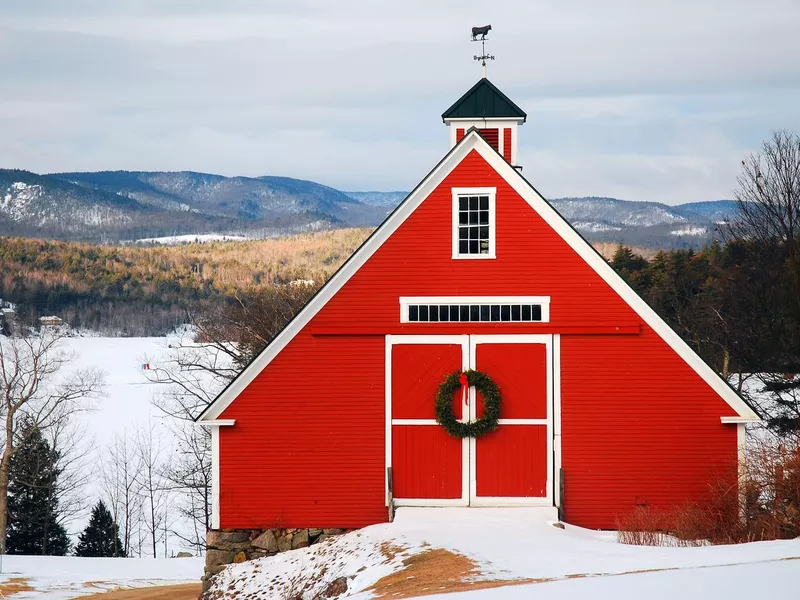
(148, 291)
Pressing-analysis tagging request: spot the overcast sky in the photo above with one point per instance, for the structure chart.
(623, 98)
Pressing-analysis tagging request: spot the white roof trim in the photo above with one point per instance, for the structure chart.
(473, 141)
(739, 420)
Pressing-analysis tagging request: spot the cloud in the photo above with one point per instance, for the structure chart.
(649, 102)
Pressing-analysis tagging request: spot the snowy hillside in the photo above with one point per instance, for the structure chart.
(510, 553)
(60, 578)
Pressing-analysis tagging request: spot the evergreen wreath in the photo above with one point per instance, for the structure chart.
(484, 385)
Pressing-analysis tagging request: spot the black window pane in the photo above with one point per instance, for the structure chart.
(505, 313)
(462, 204)
(485, 312)
(484, 246)
(484, 203)
(413, 313)
(495, 312)
(483, 233)
(463, 247)
(444, 313)
(433, 313)
(454, 312)
(537, 312)
(423, 313)
(463, 218)
(473, 233)
(515, 312)
(474, 313)
(463, 233)
(464, 313)
(484, 217)
(526, 312)
(473, 203)
(473, 218)
(473, 247)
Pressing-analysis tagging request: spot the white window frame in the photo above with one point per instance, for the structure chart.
(543, 301)
(475, 191)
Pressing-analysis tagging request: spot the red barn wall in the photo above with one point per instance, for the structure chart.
(308, 445)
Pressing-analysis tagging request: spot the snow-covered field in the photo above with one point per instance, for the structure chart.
(512, 545)
(192, 238)
(128, 393)
(59, 578)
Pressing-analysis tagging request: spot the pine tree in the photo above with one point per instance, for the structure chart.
(33, 506)
(101, 536)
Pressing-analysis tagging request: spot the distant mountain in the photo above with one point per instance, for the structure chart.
(715, 210)
(125, 205)
(387, 199)
(118, 205)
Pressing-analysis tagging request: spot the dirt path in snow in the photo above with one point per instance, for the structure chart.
(185, 591)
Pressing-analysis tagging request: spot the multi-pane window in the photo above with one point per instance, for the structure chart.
(456, 313)
(473, 225)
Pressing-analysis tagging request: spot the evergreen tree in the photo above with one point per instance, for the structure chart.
(101, 536)
(33, 526)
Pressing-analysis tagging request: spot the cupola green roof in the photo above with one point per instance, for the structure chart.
(484, 101)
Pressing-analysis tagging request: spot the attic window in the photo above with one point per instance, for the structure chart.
(473, 222)
(480, 309)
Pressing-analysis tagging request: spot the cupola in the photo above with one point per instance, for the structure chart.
(492, 113)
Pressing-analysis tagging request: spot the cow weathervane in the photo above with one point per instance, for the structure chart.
(479, 35)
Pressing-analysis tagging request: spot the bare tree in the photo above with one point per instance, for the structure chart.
(31, 389)
(122, 486)
(768, 225)
(74, 450)
(192, 374)
(154, 488)
(769, 199)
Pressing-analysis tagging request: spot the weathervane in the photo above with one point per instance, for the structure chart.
(482, 31)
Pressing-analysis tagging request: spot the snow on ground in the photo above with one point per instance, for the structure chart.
(58, 577)
(690, 230)
(191, 238)
(733, 582)
(522, 543)
(128, 393)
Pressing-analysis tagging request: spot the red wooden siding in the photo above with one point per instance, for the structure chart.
(492, 136)
(512, 462)
(308, 445)
(507, 144)
(639, 427)
(459, 134)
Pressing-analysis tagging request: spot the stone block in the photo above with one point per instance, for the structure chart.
(266, 541)
(300, 539)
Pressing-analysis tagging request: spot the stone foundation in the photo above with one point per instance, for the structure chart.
(227, 546)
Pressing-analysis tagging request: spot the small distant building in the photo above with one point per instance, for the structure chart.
(51, 321)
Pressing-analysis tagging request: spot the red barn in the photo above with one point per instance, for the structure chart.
(604, 407)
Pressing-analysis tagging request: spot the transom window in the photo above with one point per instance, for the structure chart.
(532, 309)
(473, 222)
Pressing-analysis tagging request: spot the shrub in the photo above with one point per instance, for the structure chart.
(765, 505)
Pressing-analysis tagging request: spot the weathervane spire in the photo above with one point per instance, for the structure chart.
(482, 32)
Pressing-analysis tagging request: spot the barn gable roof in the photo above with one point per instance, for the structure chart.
(473, 141)
(484, 101)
